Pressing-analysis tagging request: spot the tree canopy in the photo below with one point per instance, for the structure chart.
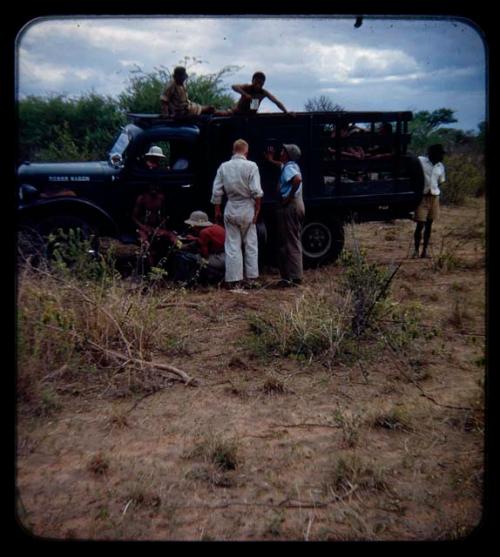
(322, 104)
(425, 127)
(64, 128)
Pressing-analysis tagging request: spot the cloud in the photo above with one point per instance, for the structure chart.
(383, 63)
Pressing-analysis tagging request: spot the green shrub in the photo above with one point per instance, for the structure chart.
(465, 178)
(367, 285)
(73, 254)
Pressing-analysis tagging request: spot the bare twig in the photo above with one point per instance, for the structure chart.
(59, 371)
(306, 425)
(180, 304)
(126, 507)
(157, 365)
(416, 383)
(124, 359)
(82, 294)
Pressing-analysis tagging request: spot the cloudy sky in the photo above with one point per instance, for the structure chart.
(386, 64)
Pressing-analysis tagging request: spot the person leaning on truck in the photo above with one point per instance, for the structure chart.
(174, 99)
(290, 215)
(428, 210)
(239, 180)
(252, 95)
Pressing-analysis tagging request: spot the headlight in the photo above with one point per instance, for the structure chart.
(28, 192)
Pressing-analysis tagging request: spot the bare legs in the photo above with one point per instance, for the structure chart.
(426, 228)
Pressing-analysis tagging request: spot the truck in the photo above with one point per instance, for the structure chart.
(340, 185)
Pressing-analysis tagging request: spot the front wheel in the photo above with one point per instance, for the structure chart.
(322, 242)
(68, 235)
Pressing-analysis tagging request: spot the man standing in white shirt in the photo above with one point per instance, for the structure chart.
(239, 180)
(428, 210)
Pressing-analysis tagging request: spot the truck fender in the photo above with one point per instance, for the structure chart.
(69, 207)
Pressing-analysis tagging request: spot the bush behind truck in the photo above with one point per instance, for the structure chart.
(99, 197)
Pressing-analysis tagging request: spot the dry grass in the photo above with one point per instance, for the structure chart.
(304, 429)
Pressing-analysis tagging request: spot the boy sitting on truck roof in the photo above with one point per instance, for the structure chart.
(252, 95)
(174, 99)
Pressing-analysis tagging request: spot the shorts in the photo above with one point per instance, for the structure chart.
(194, 109)
(428, 208)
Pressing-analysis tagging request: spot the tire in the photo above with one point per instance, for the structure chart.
(322, 242)
(30, 243)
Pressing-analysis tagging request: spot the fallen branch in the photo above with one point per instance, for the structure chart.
(157, 365)
(125, 359)
(55, 373)
(306, 425)
(180, 304)
(285, 504)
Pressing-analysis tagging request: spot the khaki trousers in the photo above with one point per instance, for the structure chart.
(289, 220)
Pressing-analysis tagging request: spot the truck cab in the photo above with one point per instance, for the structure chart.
(351, 169)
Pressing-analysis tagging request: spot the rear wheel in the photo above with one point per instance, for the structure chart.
(322, 242)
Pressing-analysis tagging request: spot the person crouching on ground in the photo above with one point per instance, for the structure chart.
(428, 210)
(290, 214)
(206, 246)
(239, 179)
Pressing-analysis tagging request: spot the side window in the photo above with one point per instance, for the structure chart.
(181, 156)
(165, 147)
(170, 155)
(153, 157)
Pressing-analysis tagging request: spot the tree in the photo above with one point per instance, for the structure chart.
(322, 104)
(64, 128)
(481, 137)
(425, 127)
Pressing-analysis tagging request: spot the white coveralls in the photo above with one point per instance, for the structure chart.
(239, 179)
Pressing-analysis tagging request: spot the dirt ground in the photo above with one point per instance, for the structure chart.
(282, 448)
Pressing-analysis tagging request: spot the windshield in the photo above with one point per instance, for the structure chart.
(121, 143)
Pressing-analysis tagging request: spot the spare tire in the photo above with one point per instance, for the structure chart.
(412, 168)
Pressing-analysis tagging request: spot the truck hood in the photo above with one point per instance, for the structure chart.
(65, 173)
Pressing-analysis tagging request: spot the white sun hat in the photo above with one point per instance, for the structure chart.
(155, 151)
(198, 218)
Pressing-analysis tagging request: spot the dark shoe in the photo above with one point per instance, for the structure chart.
(414, 255)
(425, 255)
(283, 283)
(231, 285)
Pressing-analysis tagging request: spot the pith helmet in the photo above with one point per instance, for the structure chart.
(155, 151)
